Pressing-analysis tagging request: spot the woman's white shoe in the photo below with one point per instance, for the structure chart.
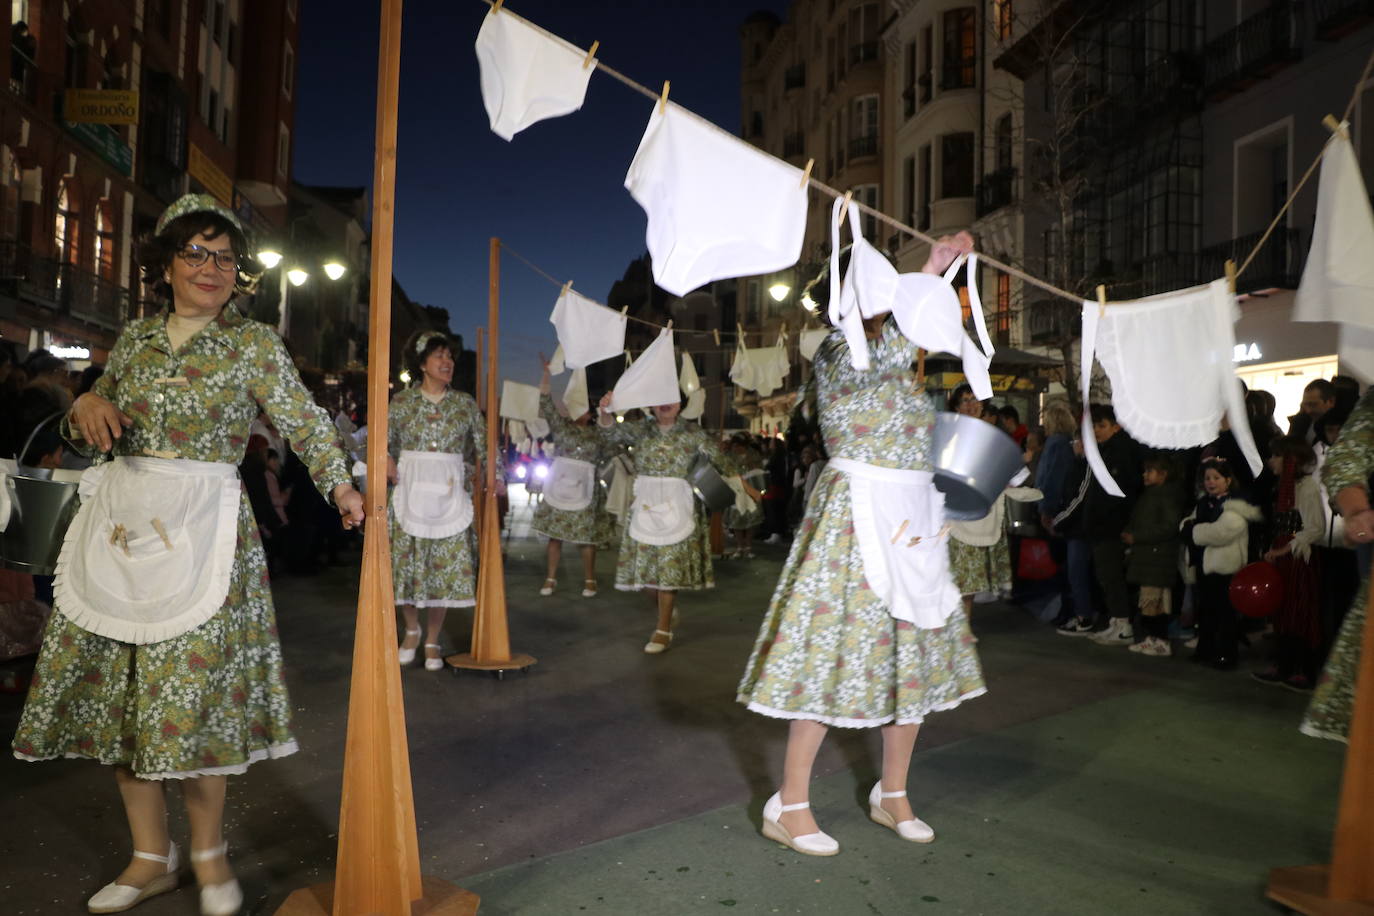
(223, 899)
(811, 844)
(914, 830)
(116, 898)
(406, 656)
(658, 648)
(437, 662)
(547, 589)
(589, 588)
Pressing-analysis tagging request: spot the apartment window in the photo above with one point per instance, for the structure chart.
(1261, 162)
(956, 165)
(959, 49)
(927, 64)
(863, 34)
(13, 182)
(909, 189)
(217, 27)
(75, 73)
(1002, 319)
(1002, 143)
(104, 240)
(288, 70)
(64, 230)
(924, 185)
(283, 150)
(1005, 17)
(863, 126)
(909, 81)
(212, 112)
(867, 194)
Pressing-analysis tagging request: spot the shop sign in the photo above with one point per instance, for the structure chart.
(203, 169)
(70, 352)
(100, 106)
(1246, 353)
(106, 142)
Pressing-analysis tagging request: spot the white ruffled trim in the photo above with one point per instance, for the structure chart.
(1313, 732)
(664, 588)
(236, 769)
(437, 602)
(842, 722)
(219, 566)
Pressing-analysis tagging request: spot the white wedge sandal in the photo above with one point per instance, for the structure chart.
(116, 898)
(914, 830)
(223, 899)
(819, 843)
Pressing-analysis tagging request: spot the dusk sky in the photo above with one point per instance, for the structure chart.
(555, 193)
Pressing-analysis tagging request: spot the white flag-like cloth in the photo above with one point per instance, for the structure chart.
(527, 74)
(588, 332)
(810, 341)
(519, 401)
(695, 406)
(556, 365)
(1170, 361)
(1338, 279)
(687, 379)
(652, 380)
(575, 395)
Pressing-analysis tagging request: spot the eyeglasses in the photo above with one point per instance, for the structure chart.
(196, 256)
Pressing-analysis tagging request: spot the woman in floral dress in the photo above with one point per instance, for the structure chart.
(830, 652)
(752, 478)
(665, 448)
(1346, 473)
(580, 448)
(205, 703)
(433, 551)
(977, 568)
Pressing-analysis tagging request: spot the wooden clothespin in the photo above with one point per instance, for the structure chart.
(898, 535)
(179, 381)
(920, 369)
(564, 291)
(663, 98)
(670, 324)
(806, 175)
(1231, 276)
(715, 332)
(1101, 301)
(591, 53)
(496, 7)
(844, 208)
(162, 533)
(624, 310)
(1336, 127)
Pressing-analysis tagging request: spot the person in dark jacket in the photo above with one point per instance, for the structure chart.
(1105, 517)
(1153, 540)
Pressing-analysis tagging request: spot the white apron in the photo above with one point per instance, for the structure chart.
(899, 520)
(663, 511)
(571, 484)
(430, 501)
(151, 550)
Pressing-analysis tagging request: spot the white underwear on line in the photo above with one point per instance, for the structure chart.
(527, 74)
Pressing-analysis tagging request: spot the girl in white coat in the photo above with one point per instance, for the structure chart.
(1217, 536)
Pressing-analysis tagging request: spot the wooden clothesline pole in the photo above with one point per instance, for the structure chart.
(377, 870)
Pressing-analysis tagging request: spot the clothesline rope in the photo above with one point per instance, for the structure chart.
(917, 234)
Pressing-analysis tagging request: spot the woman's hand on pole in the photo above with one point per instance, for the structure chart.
(393, 476)
(99, 421)
(350, 504)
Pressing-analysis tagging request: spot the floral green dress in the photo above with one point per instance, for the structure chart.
(828, 649)
(593, 525)
(667, 453)
(980, 569)
(435, 572)
(1349, 463)
(212, 700)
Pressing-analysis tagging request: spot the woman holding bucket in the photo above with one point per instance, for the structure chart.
(161, 658)
(831, 652)
(435, 437)
(573, 509)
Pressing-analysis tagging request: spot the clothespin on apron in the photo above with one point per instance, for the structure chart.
(920, 369)
(1101, 301)
(162, 533)
(591, 53)
(663, 98)
(898, 535)
(806, 175)
(179, 381)
(1231, 276)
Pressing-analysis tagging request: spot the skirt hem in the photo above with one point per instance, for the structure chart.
(437, 602)
(272, 752)
(845, 722)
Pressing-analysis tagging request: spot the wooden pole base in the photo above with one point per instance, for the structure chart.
(440, 899)
(1304, 890)
(517, 660)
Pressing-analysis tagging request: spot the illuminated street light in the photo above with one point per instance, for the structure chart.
(334, 270)
(808, 303)
(269, 258)
(779, 291)
(405, 376)
(297, 276)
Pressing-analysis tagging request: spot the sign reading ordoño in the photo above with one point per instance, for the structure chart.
(100, 106)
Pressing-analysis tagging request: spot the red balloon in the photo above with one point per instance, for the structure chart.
(1257, 590)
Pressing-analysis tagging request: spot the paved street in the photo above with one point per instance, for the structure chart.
(605, 781)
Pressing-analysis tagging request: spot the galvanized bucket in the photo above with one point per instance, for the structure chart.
(709, 487)
(1023, 519)
(974, 461)
(37, 512)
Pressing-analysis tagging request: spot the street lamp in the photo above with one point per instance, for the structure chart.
(269, 258)
(334, 270)
(779, 291)
(297, 276)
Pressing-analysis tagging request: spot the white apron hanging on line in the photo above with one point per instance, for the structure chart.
(150, 553)
(430, 501)
(1169, 358)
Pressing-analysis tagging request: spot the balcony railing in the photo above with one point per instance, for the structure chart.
(1260, 46)
(996, 190)
(863, 146)
(794, 77)
(863, 52)
(23, 76)
(1332, 19)
(93, 298)
(793, 144)
(64, 287)
(1278, 263)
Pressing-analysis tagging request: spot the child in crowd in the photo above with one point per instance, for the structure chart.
(1217, 535)
(1153, 540)
(1299, 523)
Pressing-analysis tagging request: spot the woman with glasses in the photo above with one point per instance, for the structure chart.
(161, 658)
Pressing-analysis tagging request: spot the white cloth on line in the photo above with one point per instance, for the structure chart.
(717, 207)
(538, 427)
(1169, 358)
(687, 378)
(527, 74)
(899, 523)
(810, 341)
(519, 401)
(1338, 279)
(575, 399)
(652, 380)
(588, 332)
(557, 366)
(760, 369)
(695, 406)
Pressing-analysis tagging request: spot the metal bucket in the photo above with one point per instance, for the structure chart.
(37, 512)
(1023, 519)
(974, 461)
(709, 486)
